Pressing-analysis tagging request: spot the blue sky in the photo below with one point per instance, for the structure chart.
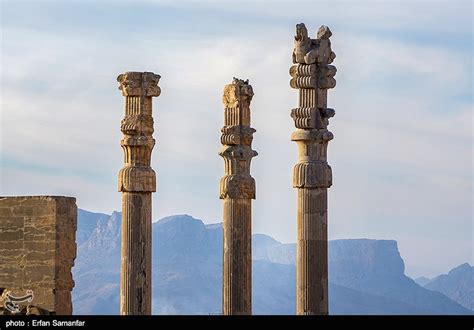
(402, 153)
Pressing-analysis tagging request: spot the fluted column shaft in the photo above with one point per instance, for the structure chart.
(136, 181)
(312, 76)
(237, 189)
(237, 257)
(135, 276)
(312, 270)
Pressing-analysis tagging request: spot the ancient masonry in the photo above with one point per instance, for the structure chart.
(136, 181)
(37, 252)
(237, 189)
(312, 76)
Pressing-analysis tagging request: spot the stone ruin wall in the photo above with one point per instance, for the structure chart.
(37, 252)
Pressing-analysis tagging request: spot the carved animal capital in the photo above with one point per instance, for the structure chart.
(311, 51)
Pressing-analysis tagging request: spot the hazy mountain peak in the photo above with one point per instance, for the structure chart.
(457, 284)
(89, 222)
(264, 240)
(84, 214)
(465, 267)
(217, 225)
(179, 218)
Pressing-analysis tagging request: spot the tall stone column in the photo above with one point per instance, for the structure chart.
(312, 76)
(136, 181)
(237, 189)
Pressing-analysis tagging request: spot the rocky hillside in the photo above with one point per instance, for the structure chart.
(458, 285)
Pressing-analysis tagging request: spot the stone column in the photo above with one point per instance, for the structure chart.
(136, 181)
(312, 76)
(237, 189)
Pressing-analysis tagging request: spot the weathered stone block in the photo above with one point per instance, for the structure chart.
(37, 249)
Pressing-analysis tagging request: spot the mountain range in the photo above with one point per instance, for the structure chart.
(366, 276)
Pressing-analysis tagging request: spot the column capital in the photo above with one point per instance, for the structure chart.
(237, 93)
(137, 127)
(139, 84)
(236, 139)
(313, 51)
(312, 74)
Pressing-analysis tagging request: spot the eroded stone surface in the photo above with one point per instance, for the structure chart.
(37, 251)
